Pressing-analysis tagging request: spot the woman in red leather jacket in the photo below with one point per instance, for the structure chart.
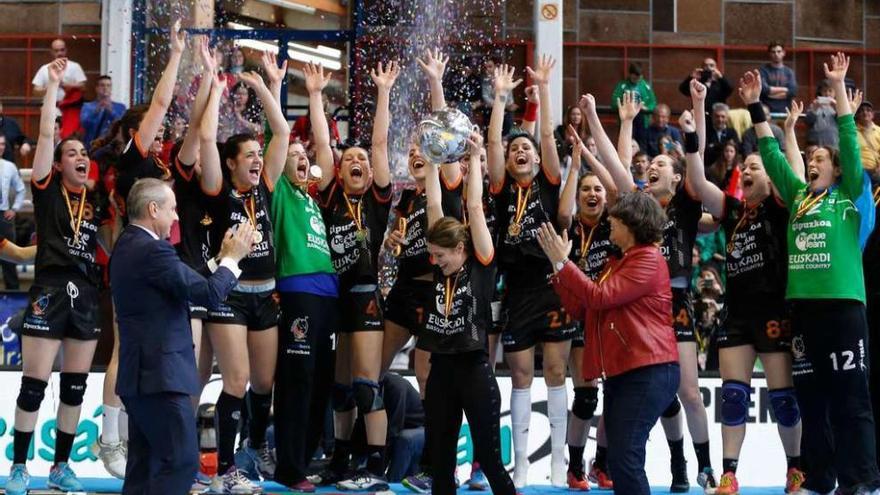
(629, 339)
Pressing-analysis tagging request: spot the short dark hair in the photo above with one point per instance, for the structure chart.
(640, 154)
(642, 215)
(104, 76)
(635, 68)
(131, 120)
(517, 133)
(233, 145)
(773, 44)
(59, 148)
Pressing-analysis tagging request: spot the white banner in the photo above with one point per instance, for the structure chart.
(762, 462)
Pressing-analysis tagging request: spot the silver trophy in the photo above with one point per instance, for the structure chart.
(443, 135)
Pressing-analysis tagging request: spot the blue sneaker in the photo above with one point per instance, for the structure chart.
(420, 483)
(477, 481)
(18, 480)
(62, 478)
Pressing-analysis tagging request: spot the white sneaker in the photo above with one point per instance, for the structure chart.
(558, 472)
(521, 474)
(363, 481)
(233, 482)
(113, 455)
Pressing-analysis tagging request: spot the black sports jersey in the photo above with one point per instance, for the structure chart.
(60, 253)
(756, 250)
(871, 253)
(232, 207)
(355, 254)
(591, 246)
(413, 207)
(520, 257)
(680, 232)
(194, 221)
(136, 163)
(459, 323)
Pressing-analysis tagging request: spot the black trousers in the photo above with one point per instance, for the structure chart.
(306, 322)
(874, 351)
(831, 380)
(464, 382)
(10, 274)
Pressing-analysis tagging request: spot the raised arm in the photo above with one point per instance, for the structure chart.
(484, 250)
(164, 91)
(625, 109)
(274, 74)
(434, 65)
(189, 150)
(433, 194)
(316, 81)
(533, 104)
(43, 157)
(792, 151)
(620, 172)
(211, 179)
(504, 86)
(384, 78)
(698, 98)
(751, 84)
(541, 76)
(276, 151)
(707, 192)
(851, 178)
(568, 197)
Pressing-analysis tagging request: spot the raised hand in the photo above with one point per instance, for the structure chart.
(252, 79)
(434, 64)
(750, 87)
(627, 107)
(206, 54)
(855, 99)
(686, 121)
(316, 78)
(577, 147)
(177, 37)
(385, 75)
(698, 90)
(504, 82)
(541, 75)
(556, 247)
(839, 65)
(274, 74)
(475, 143)
(56, 70)
(587, 103)
(792, 114)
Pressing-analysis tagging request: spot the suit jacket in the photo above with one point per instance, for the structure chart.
(152, 289)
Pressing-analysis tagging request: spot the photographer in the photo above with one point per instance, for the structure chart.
(708, 315)
(718, 88)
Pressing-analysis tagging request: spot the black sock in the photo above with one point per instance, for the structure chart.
(729, 465)
(63, 444)
(228, 412)
(601, 455)
(259, 406)
(376, 460)
(341, 455)
(21, 445)
(676, 450)
(575, 458)
(793, 462)
(703, 459)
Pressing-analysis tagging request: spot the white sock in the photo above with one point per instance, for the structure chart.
(520, 417)
(110, 424)
(123, 425)
(557, 413)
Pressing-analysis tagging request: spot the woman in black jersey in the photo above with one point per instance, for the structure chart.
(590, 234)
(526, 186)
(355, 205)
(456, 325)
(63, 309)
(683, 209)
(244, 330)
(757, 323)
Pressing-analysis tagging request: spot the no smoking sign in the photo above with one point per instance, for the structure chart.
(549, 11)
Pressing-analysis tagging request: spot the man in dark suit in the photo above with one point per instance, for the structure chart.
(152, 290)
(719, 132)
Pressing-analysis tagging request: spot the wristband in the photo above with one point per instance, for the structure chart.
(531, 114)
(691, 142)
(756, 111)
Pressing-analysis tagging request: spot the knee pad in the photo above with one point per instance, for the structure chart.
(735, 400)
(367, 396)
(585, 401)
(72, 388)
(673, 408)
(31, 394)
(342, 398)
(785, 406)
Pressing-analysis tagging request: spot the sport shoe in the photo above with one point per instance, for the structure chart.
(113, 455)
(420, 483)
(262, 458)
(577, 480)
(793, 480)
(477, 482)
(727, 485)
(62, 478)
(680, 483)
(18, 480)
(363, 481)
(304, 486)
(600, 477)
(325, 477)
(706, 479)
(233, 481)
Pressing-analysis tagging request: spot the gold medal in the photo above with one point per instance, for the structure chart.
(730, 247)
(355, 214)
(75, 218)
(514, 230)
(361, 235)
(258, 237)
(206, 220)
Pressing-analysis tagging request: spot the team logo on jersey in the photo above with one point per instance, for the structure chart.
(300, 328)
(206, 220)
(38, 307)
(798, 348)
(316, 224)
(337, 243)
(810, 240)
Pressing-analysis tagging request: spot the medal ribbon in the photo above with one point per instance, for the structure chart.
(449, 293)
(808, 203)
(586, 240)
(250, 207)
(401, 227)
(356, 216)
(745, 214)
(75, 219)
(521, 203)
(605, 274)
(876, 195)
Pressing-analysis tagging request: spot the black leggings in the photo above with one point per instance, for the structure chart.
(830, 371)
(464, 382)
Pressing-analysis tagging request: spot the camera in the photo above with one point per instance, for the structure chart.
(705, 75)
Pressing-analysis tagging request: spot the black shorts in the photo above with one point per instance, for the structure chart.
(578, 339)
(406, 303)
(255, 310)
(764, 327)
(361, 311)
(197, 312)
(64, 311)
(534, 315)
(683, 315)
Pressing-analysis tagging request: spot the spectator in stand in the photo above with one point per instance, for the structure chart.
(869, 137)
(244, 116)
(14, 137)
(719, 133)
(718, 88)
(644, 96)
(236, 61)
(302, 128)
(70, 93)
(822, 117)
(778, 82)
(750, 138)
(639, 168)
(724, 171)
(661, 128)
(575, 118)
(10, 182)
(97, 116)
(487, 97)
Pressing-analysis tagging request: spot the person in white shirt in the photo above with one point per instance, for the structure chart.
(74, 77)
(9, 179)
